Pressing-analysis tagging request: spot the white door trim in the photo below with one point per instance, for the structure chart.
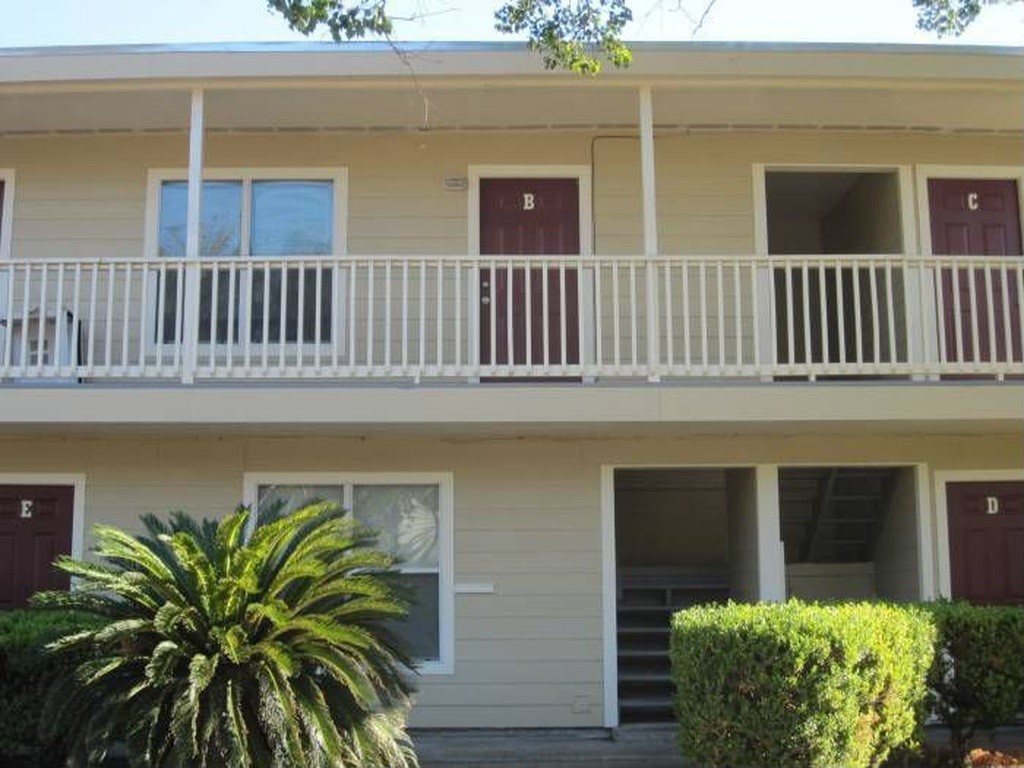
(925, 172)
(609, 599)
(579, 172)
(582, 174)
(76, 481)
(942, 479)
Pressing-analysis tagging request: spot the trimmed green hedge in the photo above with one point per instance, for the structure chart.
(26, 671)
(977, 680)
(797, 684)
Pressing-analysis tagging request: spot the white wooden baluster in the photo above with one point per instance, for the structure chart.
(232, 314)
(545, 315)
(423, 318)
(300, 317)
(75, 355)
(335, 317)
(598, 317)
(214, 314)
(108, 330)
(890, 313)
(633, 325)
(687, 303)
(12, 272)
(387, 314)
(755, 315)
(737, 314)
(841, 312)
(990, 302)
(439, 344)
(790, 319)
(1019, 270)
(41, 317)
(60, 320)
(282, 335)
(493, 310)
(704, 332)
(405, 316)
(126, 308)
(25, 317)
(457, 266)
(318, 312)
(265, 351)
(1004, 280)
(562, 312)
(616, 320)
(666, 276)
(805, 284)
(876, 330)
(371, 278)
(938, 274)
(509, 348)
(144, 289)
(581, 321)
(353, 274)
(975, 320)
(858, 315)
(720, 296)
(93, 289)
(528, 311)
(826, 352)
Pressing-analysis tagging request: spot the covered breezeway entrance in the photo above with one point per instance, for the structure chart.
(682, 537)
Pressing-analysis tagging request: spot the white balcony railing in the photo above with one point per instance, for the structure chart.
(402, 317)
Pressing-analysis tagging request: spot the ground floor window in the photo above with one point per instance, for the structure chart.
(412, 515)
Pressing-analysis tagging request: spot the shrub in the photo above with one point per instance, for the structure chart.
(799, 684)
(977, 678)
(226, 650)
(26, 671)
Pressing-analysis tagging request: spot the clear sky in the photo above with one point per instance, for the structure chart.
(82, 22)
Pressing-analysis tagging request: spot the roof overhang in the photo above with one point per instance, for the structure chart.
(476, 86)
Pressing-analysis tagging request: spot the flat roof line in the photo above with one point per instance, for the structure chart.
(511, 46)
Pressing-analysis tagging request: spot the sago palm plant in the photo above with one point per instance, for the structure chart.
(221, 650)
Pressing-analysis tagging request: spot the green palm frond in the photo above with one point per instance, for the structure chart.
(221, 648)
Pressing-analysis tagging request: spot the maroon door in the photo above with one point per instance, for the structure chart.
(986, 541)
(529, 217)
(35, 528)
(977, 218)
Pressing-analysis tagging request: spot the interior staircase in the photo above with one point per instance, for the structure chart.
(834, 514)
(646, 602)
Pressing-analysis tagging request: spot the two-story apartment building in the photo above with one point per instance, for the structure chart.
(742, 320)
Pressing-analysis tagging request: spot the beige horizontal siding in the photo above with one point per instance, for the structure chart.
(527, 520)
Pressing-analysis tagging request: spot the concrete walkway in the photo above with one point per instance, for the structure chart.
(629, 747)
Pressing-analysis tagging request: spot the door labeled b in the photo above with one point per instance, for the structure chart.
(529, 314)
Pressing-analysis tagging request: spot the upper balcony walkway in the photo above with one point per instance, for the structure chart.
(512, 318)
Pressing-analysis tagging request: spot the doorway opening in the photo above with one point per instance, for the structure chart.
(850, 533)
(683, 537)
(836, 314)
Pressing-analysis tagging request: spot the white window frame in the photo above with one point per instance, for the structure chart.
(7, 215)
(445, 664)
(247, 175)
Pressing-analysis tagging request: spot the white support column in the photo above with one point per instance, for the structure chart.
(650, 219)
(771, 564)
(190, 330)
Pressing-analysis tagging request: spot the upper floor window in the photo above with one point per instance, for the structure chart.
(252, 217)
(263, 214)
